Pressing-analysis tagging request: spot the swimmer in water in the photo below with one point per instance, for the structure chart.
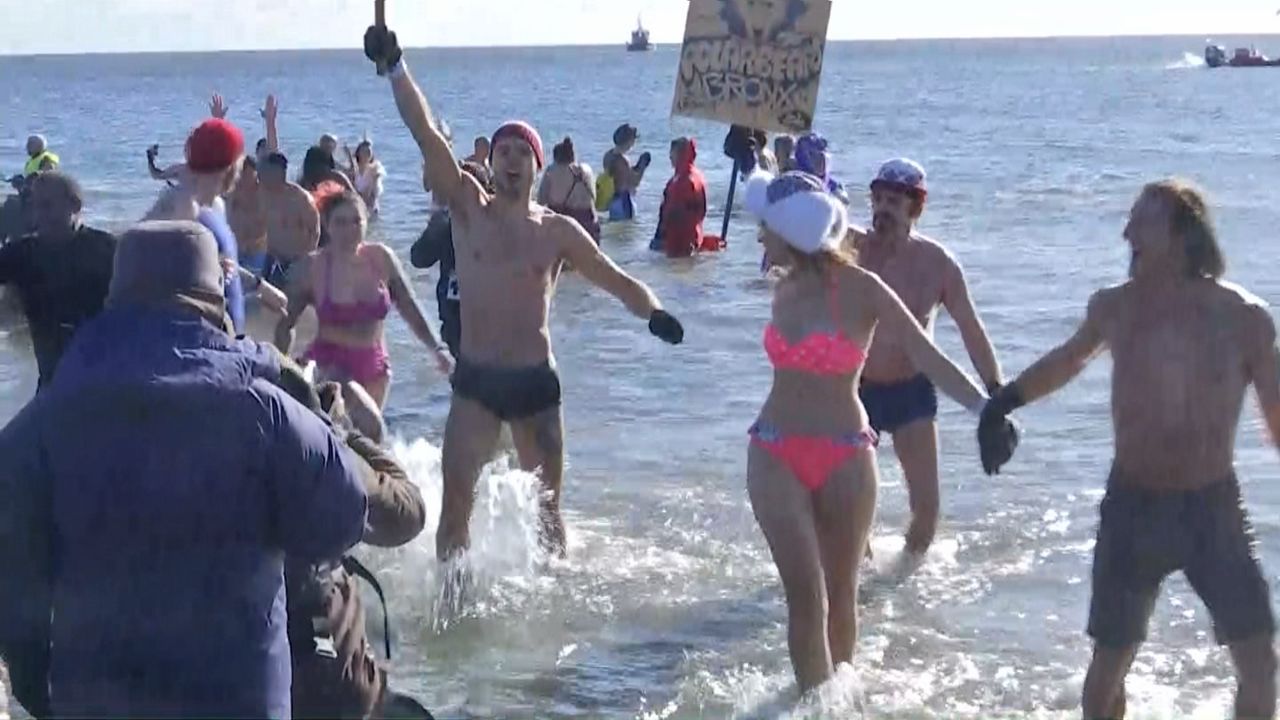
(481, 152)
(811, 463)
(684, 204)
(366, 173)
(900, 400)
(510, 252)
(1185, 347)
(293, 224)
(353, 286)
(319, 167)
(569, 188)
(626, 178)
(214, 154)
(813, 157)
(784, 149)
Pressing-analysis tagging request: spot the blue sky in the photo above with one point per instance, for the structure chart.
(69, 26)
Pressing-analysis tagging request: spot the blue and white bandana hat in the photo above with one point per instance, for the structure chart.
(902, 174)
(797, 206)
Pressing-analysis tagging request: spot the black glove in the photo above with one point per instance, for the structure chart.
(380, 45)
(739, 146)
(997, 434)
(665, 327)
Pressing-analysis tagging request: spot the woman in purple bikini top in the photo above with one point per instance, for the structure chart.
(353, 284)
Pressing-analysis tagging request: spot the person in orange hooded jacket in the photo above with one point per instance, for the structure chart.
(684, 204)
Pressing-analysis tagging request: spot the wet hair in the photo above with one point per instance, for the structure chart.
(276, 159)
(249, 164)
(480, 140)
(1192, 223)
(316, 164)
(563, 152)
(70, 188)
(262, 145)
(364, 145)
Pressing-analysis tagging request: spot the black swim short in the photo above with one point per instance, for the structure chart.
(893, 406)
(508, 393)
(1144, 536)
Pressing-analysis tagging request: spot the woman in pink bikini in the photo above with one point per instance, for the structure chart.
(811, 470)
(353, 285)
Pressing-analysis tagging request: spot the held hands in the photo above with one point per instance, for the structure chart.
(444, 361)
(381, 46)
(665, 327)
(997, 434)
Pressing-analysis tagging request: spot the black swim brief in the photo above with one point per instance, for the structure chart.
(893, 406)
(1144, 536)
(510, 393)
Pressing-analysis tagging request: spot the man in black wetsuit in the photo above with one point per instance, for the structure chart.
(436, 246)
(61, 271)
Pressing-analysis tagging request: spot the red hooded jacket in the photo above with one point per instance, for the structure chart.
(684, 206)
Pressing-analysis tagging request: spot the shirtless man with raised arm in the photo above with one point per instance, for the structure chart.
(1185, 346)
(509, 253)
(900, 401)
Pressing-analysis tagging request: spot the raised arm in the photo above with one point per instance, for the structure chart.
(445, 177)
(1060, 365)
(402, 295)
(926, 356)
(959, 304)
(1263, 365)
(581, 251)
(270, 111)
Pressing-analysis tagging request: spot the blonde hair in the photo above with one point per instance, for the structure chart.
(1191, 222)
(824, 260)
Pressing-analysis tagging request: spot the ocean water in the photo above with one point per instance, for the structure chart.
(668, 605)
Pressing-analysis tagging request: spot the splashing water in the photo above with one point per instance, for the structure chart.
(1189, 60)
(504, 548)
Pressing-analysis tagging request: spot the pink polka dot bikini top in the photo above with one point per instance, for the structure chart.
(818, 353)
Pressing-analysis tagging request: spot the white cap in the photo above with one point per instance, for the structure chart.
(799, 209)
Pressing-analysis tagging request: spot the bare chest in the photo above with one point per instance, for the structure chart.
(496, 251)
(1172, 351)
(909, 271)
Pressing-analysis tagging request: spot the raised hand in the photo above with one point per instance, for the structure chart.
(217, 107)
(270, 109)
(382, 47)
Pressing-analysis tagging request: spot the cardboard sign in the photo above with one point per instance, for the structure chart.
(753, 62)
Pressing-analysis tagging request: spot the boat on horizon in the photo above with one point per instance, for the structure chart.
(1215, 56)
(639, 39)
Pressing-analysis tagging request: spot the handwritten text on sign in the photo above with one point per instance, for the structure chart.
(762, 72)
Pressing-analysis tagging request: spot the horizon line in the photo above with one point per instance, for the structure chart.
(550, 46)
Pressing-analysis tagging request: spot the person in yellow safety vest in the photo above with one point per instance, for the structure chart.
(39, 157)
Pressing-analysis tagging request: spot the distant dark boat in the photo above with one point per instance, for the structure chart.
(1215, 56)
(639, 39)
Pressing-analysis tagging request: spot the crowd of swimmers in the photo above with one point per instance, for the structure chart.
(165, 449)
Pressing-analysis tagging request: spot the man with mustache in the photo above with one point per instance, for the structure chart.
(900, 401)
